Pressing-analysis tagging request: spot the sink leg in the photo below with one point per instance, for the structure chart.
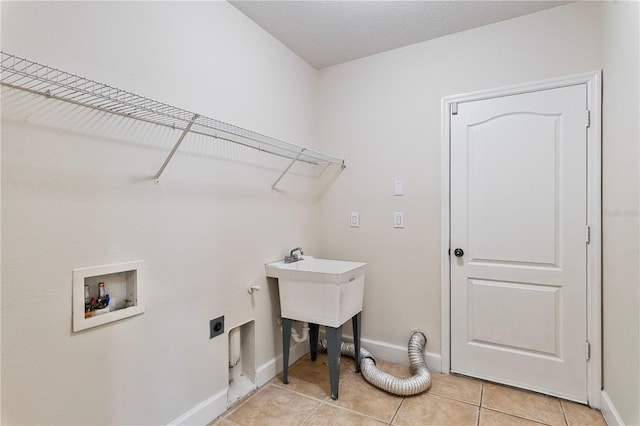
(313, 340)
(334, 340)
(286, 342)
(355, 322)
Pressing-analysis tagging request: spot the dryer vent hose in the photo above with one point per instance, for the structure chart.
(404, 386)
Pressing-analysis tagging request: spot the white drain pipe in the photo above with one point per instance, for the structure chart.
(405, 386)
(294, 333)
(234, 347)
(305, 333)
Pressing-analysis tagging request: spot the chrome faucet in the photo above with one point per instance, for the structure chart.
(293, 256)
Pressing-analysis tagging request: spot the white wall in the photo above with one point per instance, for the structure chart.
(621, 217)
(383, 112)
(77, 191)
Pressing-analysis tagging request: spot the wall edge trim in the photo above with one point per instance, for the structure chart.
(272, 367)
(397, 353)
(208, 410)
(609, 411)
(205, 411)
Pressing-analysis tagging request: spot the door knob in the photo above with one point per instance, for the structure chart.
(458, 252)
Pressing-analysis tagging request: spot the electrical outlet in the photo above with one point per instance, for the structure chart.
(216, 327)
(398, 220)
(355, 220)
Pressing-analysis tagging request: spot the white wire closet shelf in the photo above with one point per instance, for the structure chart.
(24, 74)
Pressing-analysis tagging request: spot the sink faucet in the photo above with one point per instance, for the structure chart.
(293, 257)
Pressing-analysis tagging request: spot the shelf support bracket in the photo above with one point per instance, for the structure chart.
(287, 169)
(156, 178)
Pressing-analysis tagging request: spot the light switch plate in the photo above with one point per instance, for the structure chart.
(355, 220)
(398, 188)
(398, 220)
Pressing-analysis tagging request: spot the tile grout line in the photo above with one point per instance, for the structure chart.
(359, 413)
(518, 417)
(397, 410)
(277, 384)
(531, 392)
(480, 405)
(287, 388)
(312, 413)
(564, 414)
(242, 401)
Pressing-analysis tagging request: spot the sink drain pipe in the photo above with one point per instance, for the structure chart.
(294, 333)
(404, 386)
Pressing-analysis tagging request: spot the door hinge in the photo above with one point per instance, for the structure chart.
(588, 351)
(587, 234)
(454, 108)
(588, 118)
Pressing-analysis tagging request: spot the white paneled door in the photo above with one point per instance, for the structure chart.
(519, 240)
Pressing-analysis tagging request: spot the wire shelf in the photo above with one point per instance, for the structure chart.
(30, 76)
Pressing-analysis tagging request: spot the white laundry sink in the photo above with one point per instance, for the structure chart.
(319, 291)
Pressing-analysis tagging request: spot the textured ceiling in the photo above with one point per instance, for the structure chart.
(326, 33)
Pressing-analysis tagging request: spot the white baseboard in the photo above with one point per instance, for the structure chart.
(204, 412)
(611, 415)
(207, 411)
(271, 368)
(395, 353)
(399, 354)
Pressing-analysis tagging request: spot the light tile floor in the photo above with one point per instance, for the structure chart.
(451, 400)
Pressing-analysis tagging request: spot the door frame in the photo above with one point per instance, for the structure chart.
(594, 215)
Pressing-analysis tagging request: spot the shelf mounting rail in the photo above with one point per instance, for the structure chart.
(24, 74)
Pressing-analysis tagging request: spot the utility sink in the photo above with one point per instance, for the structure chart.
(319, 291)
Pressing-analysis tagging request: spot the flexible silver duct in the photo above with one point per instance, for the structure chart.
(405, 386)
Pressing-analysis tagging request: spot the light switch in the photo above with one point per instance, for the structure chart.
(355, 220)
(398, 188)
(398, 220)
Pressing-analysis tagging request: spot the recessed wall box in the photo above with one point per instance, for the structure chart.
(122, 282)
